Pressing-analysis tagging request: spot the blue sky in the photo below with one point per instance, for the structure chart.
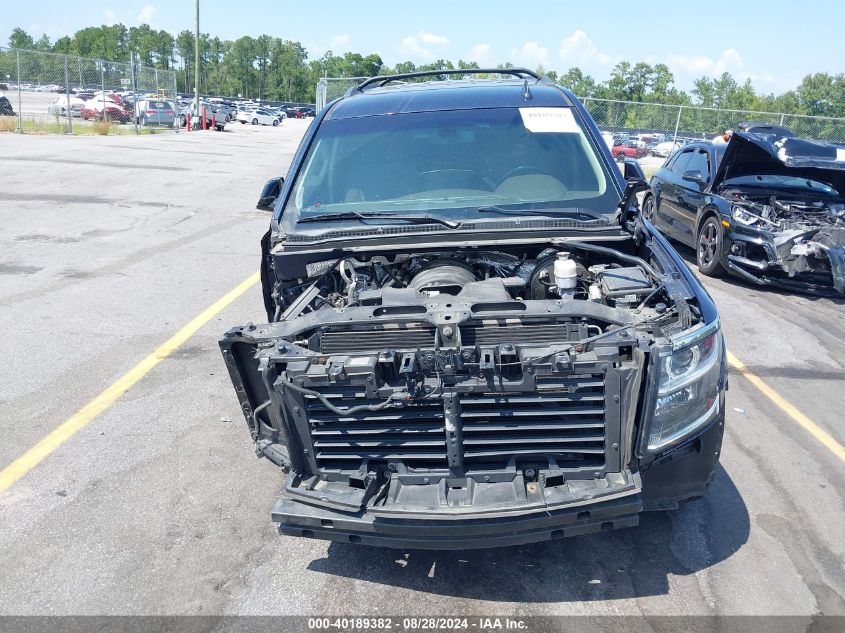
(775, 43)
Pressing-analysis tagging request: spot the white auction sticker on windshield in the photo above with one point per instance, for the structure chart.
(548, 120)
(840, 154)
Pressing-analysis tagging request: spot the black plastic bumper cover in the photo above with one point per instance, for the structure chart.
(299, 519)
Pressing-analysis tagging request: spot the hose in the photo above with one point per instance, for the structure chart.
(648, 298)
(337, 410)
(258, 410)
(619, 255)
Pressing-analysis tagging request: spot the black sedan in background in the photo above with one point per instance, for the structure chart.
(767, 208)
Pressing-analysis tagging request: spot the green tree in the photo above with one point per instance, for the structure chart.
(43, 44)
(20, 39)
(184, 48)
(579, 83)
(822, 94)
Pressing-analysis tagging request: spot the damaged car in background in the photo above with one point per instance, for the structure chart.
(473, 340)
(770, 210)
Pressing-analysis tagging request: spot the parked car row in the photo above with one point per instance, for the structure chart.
(108, 105)
(630, 145)
(213, 118)
(260, 115)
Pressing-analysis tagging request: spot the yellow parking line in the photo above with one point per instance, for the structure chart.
(79, 420)
(811, 427)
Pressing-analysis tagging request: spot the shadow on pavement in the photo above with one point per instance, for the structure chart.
(612, 565)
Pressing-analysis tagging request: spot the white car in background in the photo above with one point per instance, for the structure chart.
(59, 106)
(258, 117)
(278, 113)
(665, 148)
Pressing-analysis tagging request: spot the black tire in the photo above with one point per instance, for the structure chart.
(648, 208)
(243, 122)
(255, 121)
(220, 128)
(183, 121)
(708, 247)
(275, 122)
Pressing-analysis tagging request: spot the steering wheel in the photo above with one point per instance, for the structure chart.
(523, 170)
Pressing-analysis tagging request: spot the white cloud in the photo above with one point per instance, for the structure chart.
(578, 50)
(341, 40)
(417, 46)
(729, 61)
(410, 46)
(431, 38)
(532, 54)
(146, 14)
(481, 53)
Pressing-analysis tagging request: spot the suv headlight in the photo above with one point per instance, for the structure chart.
(687, 394)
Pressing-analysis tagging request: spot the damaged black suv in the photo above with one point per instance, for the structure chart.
(473, 339)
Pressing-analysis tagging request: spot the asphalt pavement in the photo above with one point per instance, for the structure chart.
(159, 505)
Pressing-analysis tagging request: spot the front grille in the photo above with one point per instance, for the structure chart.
(414, 434)
(565, 419)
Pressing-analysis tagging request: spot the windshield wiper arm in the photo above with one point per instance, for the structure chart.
(545, 212)
(368, 215)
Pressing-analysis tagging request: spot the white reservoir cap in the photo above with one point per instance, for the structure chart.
(566, 272)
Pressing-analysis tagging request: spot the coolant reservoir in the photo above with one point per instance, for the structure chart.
(566, 274)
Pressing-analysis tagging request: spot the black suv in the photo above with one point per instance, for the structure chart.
(473, 340)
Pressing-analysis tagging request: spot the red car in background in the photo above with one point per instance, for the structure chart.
(621, 151)
(105, 106)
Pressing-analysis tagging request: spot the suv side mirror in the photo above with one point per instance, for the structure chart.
(693, 175)
(631, 170)
(269, 194)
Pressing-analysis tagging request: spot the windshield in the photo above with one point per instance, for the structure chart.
(451, 163)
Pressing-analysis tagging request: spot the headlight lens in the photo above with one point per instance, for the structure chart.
(742, 216)
(687, 394)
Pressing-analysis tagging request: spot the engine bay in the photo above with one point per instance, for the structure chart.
(585, 273)
(782, 214)
(808, 236)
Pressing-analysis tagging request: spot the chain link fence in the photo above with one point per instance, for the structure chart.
(683, 123)
(330, 88)
(48, 92)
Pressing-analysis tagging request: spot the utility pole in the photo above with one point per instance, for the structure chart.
(197, 66)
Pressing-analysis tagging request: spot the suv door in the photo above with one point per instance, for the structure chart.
(667, 202)
(690, 196)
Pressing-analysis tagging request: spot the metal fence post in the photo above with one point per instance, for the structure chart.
(67, 94)
(103, 87)
(134, 82)
(677, 124)
(781, 118)
(20, 115)
(175, 105)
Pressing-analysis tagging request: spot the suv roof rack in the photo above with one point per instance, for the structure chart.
(382, 80)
